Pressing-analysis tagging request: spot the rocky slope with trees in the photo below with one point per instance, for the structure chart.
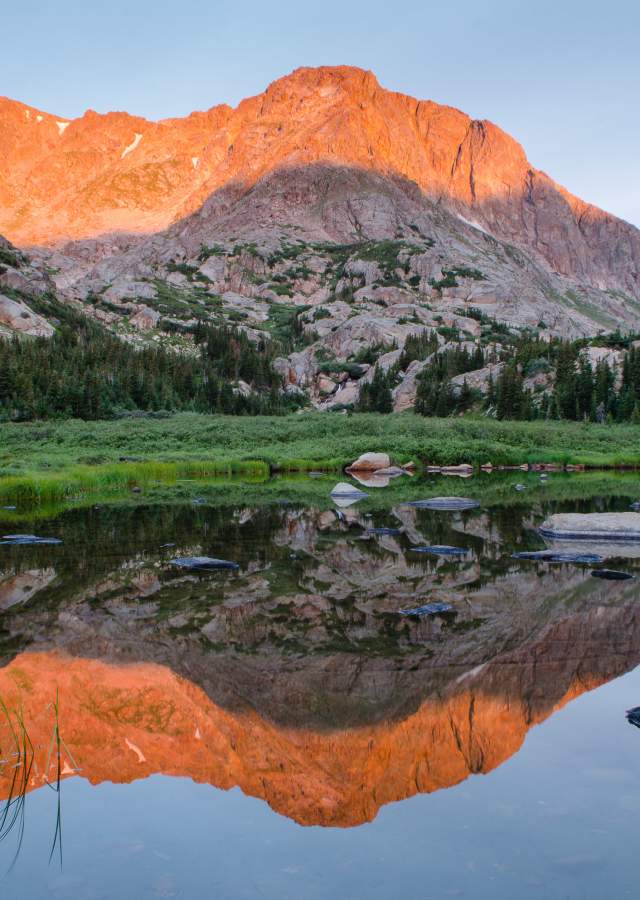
(357, 249)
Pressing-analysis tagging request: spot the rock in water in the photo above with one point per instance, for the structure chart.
(370, 462)
(203, 563)
(343, 489)
(612, 575)
(633, 716)
(441, 550)
(429, 609)
(445, 503)
(593, 526)
(553, 556)
(27, 539)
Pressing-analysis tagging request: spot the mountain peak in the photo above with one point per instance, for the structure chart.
(115, 172)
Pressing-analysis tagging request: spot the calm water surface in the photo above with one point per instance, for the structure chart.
(282, 732)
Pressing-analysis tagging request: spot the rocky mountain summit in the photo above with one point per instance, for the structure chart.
(327, 214)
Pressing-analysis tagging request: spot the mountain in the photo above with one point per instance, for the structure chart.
(327, 211)
(115, 172)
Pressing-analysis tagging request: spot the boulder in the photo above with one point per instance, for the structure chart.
(19, 317)
(326, 385)
(145, 318)
(371, 462)
(593, 526)
(344, 489)
(124, 288)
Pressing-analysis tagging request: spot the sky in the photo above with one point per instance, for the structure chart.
(562, 77)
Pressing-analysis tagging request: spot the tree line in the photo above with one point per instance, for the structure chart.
(83, 371)
(572, 387)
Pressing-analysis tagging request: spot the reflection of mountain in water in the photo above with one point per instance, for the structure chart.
(128, 721)
(294, 679)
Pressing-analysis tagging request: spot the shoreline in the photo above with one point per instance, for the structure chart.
(54, 460)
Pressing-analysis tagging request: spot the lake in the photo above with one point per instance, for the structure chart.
(281, 730)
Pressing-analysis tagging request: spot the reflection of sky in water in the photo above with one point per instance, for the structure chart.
(558, 820)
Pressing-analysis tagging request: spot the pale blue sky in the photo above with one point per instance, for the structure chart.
(563, 77)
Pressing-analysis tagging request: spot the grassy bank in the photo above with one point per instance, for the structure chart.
(53, 460)
(494, 490)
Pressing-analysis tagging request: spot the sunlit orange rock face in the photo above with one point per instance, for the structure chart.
(121, 723)
(101, 173)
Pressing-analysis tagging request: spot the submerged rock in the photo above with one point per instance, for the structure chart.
(633, 716)
(429, 609)
(442, 550)
(554, 556)
(593, 526)
(445, 503)
(612, 575)
(28, 539)
(204, 563)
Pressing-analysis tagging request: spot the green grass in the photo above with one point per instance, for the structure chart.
(74, 481)
(46, 462)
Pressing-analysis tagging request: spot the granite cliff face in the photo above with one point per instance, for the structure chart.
(115, 172)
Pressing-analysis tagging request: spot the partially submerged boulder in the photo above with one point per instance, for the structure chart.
(344, 494)
(593, 526)
(344, 489)
(370, 462)
(612, 575)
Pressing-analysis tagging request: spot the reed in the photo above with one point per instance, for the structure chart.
(18, 756)
(77, 481)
